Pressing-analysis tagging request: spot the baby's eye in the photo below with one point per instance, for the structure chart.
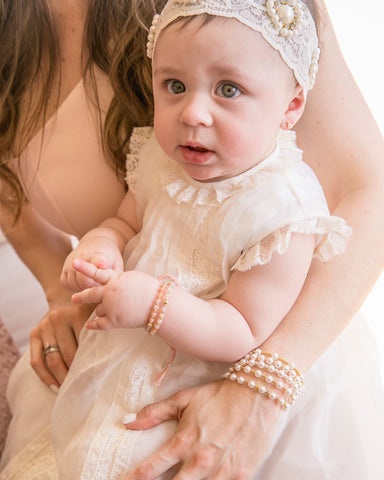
(175, 86)
(227, 90)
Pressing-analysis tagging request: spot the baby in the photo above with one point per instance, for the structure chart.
(213, 241)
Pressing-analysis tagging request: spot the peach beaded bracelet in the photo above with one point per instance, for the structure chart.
(279, 380)
(167, 284)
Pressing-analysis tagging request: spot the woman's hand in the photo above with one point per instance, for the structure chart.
(225, 431)
(60, 327)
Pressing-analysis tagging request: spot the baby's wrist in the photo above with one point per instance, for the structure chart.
(160, 304)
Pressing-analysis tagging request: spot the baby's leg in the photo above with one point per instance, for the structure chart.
(113, 373)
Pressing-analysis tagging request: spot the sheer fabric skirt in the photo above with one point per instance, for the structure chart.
(334, 431)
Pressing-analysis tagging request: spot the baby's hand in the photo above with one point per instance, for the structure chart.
(105, 257)
(101, 275)
(124, 300)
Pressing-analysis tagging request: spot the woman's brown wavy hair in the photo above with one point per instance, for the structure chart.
(114, 40)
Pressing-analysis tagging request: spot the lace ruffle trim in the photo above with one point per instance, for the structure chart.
(186, 190)
(335, 234)
(138, 139)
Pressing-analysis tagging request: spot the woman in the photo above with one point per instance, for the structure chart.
(352, 177)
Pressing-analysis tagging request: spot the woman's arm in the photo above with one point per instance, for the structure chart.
(43, 249)
(345, 148)
(30, 237)
(343, 145)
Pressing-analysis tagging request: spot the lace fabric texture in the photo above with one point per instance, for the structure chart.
(205, 230)
(35, 462)
(115, 373)
(310, 442)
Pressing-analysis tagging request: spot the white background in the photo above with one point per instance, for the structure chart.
(359, 28)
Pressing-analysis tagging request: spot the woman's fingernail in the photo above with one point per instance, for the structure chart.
(54, 388)
(129, 418)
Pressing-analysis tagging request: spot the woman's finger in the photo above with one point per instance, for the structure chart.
(156, 413)
(46, 358)
(39, 365)
(60, 326)
(222, 434)
(154, 466)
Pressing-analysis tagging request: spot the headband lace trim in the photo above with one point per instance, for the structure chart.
(287, 25)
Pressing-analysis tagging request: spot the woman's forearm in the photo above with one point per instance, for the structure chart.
(39, 245)
(343, 145)
(334, 292)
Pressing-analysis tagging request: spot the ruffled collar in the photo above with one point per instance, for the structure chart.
(184, 189)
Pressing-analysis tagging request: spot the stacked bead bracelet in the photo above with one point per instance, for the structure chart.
(269, 375)
(167, 284)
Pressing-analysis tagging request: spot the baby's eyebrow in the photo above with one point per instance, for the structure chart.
(228, 71)
(165, 71)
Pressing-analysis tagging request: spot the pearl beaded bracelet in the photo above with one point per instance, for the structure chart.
(167, 284)
(279, 380)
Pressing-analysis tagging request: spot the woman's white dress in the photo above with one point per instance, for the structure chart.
(197, 233)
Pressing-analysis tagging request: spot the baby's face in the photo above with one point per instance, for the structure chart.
(221, 94)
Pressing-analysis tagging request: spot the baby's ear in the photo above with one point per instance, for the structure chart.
(295, 109)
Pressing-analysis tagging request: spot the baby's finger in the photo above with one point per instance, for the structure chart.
(100, 310)
(99, 275)
(100, 262)
(89, 295)
(98, 323)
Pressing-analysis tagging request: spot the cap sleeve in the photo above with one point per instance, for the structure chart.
(291, 201)
(332, 237)
(138, 139)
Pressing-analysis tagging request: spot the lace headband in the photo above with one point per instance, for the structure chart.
(287, 25)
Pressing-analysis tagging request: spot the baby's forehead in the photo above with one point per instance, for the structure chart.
(225, 33)
(240, 34)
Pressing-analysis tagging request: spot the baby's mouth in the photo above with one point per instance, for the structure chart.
(196, 154)
(197, 149)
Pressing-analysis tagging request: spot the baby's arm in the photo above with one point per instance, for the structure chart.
(222, 329)
(102, 246)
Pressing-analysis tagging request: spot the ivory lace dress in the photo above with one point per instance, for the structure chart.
(199, 232)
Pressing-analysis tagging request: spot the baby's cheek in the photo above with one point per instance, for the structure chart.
(236, 142)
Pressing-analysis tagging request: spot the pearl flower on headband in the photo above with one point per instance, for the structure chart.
(286, 16)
